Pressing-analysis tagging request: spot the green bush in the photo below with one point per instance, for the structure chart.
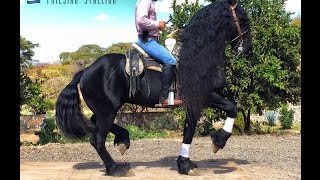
(164, 122)
(180, 116)
(271, 117)
(286, 117)
(204, 128)
(238, 124)
(136, 133)
(48, 132)
(205, 125)
(256, 128)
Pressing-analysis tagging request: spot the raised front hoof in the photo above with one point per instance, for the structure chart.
(122, 148)
(186, 166)
(120, 170)
(215, 148)
(122, 144)
(219, 139)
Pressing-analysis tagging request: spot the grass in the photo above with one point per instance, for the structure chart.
(139, 133)
(277, 130)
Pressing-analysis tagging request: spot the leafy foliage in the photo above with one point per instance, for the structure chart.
(296, 21)
(30, 90)
(48, 132)
(164, 122)
(180, 115)
(182, 14)
(84, 56)
(137, 133)
(256, 128)
(26, 84)
(26, 53)
(54, 78)
(286, 117)
(271, 76)
(119, 48)
(238, 124)
(208, 117)
(87, 54)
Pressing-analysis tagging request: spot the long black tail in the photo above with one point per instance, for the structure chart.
(69, 117)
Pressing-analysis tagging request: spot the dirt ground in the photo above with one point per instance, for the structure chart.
(244, 157)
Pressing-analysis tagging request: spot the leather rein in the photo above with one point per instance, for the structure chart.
(236, 21)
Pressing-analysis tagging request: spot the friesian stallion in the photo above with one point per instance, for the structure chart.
(105, 85)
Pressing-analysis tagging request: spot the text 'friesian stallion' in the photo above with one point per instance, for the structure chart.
(105, 85)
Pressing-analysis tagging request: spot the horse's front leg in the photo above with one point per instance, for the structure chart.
(104, 123)
(184, 163)
(220, 137)
(121, 138)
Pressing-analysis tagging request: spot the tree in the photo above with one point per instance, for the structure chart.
(83, 57)
(119, 48)
(30, 91)
(26, 85)
(271, 76)
(182, 14)
(296, 21)
(26, 53)
(54, 78)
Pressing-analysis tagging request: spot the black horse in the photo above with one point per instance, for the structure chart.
(201, 77)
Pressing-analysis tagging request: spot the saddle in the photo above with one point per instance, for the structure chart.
(136, 61)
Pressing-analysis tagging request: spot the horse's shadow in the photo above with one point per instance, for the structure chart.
(219, 166)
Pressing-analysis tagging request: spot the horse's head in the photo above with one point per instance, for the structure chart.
(239, 34)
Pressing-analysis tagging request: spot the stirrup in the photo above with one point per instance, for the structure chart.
(176, 102)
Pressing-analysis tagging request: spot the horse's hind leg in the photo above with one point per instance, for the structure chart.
(184, 163)
(220, 137)
(104, 122)
(121, 139)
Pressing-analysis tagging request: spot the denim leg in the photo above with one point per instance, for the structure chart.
(157, 51)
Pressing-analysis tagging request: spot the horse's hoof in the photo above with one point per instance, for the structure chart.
(215, 148)
(194, 172)
(120, 170)
(186, 166)
(122, 148)
(219, 139)
(123, 143)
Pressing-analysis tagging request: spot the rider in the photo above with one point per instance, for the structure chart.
(148, 29)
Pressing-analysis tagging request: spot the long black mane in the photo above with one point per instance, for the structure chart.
(201, 66)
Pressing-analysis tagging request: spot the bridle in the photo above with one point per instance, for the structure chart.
(236, 21)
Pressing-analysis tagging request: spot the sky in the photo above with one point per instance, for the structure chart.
(65, 27)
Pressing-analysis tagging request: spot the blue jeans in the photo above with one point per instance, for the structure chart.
(157, 51)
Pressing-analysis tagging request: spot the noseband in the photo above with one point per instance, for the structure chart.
(236, 21)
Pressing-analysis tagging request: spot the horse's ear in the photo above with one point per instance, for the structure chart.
(232, 2)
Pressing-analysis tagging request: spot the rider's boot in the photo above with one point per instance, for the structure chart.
(167, 76)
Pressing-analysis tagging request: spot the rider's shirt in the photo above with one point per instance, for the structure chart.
(145, 18)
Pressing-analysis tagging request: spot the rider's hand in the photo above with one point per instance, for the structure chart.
(162, 24)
